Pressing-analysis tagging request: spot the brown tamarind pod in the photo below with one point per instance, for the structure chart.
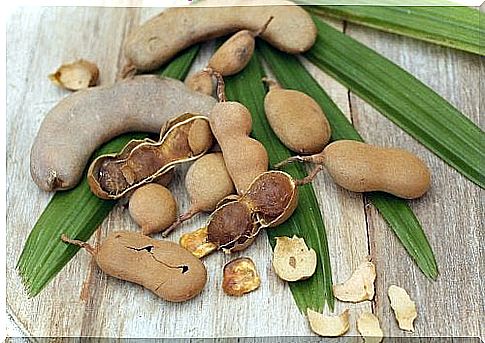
(361, 167)
(245, 157)
(236, 52)
(163, 267)
(183, 139)
(270, 200)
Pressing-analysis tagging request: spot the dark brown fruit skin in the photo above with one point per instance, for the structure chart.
(271, 199)
(230, 222)
(275, 196)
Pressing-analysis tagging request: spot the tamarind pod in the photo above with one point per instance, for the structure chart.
(84, 120)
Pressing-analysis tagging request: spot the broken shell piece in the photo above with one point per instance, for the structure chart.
(196, 242)
(292, 260)
(359, 287)
(75, 76)
(369, 328)
(240, 277)
(328, 326)
(404, 308)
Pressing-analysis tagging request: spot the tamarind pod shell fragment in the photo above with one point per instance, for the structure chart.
(84, 120)
(159, 39)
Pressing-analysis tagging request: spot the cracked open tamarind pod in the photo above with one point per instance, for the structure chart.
(183, 139)
(269, 201)
(163, 267)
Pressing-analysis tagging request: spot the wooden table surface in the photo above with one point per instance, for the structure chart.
(40, 39)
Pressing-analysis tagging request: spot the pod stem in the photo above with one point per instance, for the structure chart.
(263, 28)
(272, 84)
(291, 159)
(128, 70)
(183, 217)
(81, 244)
(220, 90)
(310, 177)
(315, 159)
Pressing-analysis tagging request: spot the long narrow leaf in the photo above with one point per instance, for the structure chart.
(292, 75)
(402, 98)
(455, 27)
(306, 222)
(76, 212)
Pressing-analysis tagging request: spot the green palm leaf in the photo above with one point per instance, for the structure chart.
(455, 27)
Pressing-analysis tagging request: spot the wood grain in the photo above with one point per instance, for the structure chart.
(40, 39)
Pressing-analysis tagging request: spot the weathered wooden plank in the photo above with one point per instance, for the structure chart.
(41, 39)
(450, 213)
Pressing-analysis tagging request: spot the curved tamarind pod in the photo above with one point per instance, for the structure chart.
(84, 120)
(162, 37)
